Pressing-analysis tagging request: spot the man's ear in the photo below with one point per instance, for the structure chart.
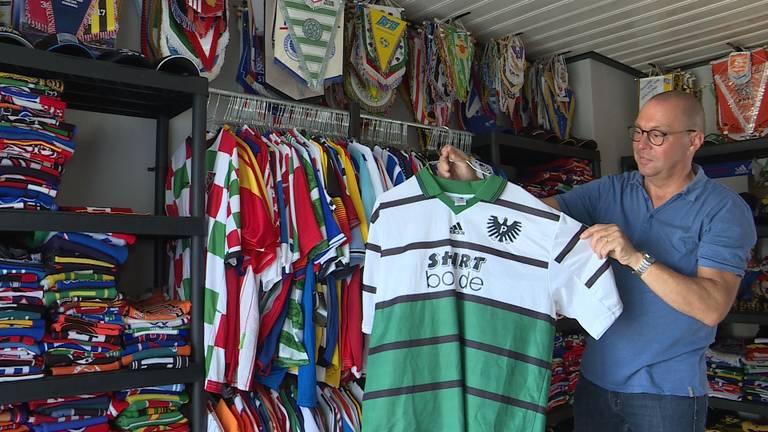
(697, 139)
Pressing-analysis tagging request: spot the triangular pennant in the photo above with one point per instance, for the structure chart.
(387, 35)
(103, 24)
(71, 17)
(38, 14)
(312, 30)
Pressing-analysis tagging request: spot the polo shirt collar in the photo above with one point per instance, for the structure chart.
(488, 190)
(691, 191)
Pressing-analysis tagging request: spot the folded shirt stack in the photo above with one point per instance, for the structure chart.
(156, 334)
(152, 409)
(35, 142)
(13, 418)
(556, 177)
(566, 364)
(725, 373)
(86, 311)
(82, 413)
(22, 321)
(574, 343)
(558, 387)
(756, 371)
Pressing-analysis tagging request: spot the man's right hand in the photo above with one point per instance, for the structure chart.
(453, 165)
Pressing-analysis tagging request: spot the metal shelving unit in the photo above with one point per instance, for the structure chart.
(742, 406)
(144, 225)
(739, 150)
(747, 318)
(57, 386)
(99, 86)
(524, 148)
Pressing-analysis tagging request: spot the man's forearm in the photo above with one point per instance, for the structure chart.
(707, 299)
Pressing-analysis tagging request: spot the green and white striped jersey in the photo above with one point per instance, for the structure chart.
(462, 284)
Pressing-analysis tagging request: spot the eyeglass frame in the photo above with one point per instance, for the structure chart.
(647, 132)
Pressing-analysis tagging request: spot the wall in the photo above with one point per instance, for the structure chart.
(606, 103)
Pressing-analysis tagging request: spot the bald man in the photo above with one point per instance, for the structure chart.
(679, 243)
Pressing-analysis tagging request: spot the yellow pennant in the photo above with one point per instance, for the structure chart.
(387, 31)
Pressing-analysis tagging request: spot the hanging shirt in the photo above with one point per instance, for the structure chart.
(441, 293)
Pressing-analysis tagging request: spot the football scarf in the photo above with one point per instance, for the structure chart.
(558, 97)
(417, 78)
(740, 84)
(459, 51)
(440, 87)
(488, 71)
(312, 25)
(511, 71)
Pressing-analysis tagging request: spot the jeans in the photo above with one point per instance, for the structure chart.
(596, 409)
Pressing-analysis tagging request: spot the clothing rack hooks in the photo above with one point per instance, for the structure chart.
(377, 130)
(266, 114)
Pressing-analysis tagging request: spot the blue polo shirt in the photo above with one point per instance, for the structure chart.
(651, 347)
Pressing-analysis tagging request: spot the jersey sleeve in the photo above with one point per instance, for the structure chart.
(582, 202)
(582, 285)
(727, 238)
(372, 278)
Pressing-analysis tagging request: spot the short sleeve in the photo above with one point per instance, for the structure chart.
(372, 279)
(728, 237)
(582, 202)
(582, 286)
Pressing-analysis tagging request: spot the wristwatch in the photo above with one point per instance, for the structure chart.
(645, 264)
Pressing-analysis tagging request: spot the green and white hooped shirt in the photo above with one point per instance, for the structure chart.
(462, 284)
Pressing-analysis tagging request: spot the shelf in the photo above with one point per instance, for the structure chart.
(157, 226)
(747, 318)
(101, 86)
(526, 144)
(559, 414)
(743, 406)
(738, 150)
(57, 386)
(567, 324)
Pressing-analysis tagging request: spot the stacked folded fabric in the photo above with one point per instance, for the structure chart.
(566, 364)
(13, 418)
(756, 371)
(556, 177)
(156, 334)
(35, 142)
(86, 311)
(574, 343)
(83, 413)
(152, 409)
(22, 323)
(725, 373)
(558, 388)
(265, 409)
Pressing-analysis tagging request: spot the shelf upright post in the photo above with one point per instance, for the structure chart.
(354, 120)
(495, 150)
(196, 263)
(161, 170)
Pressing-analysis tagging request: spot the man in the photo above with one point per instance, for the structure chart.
(679, 243)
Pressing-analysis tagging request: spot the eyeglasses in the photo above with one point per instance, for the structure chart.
(655, 136)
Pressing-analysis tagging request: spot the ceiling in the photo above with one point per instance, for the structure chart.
(635, 33)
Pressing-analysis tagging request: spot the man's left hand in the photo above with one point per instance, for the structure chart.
(607, 240)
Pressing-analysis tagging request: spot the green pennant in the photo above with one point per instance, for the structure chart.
(312, 26)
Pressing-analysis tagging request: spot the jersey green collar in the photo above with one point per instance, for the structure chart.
(487, 190)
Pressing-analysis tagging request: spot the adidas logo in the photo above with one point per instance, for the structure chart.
(742, 170)
(456, 229)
